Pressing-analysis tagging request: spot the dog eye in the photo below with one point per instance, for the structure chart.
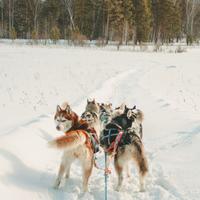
(64, 120)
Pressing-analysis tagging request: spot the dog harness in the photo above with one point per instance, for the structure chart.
(115, 143)
(94, 139)
(113, 138)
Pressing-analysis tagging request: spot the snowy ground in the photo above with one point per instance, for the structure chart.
(33, 80)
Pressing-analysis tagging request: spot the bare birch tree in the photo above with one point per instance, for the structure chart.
(69, 9)
(190, 11)
(34, 6)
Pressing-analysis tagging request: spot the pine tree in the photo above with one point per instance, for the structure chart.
(55, 34)
(23, 21)
(142, 20)
(116, 19)
(83, 17)
(50, 14)
(121, 19)
(169, 20)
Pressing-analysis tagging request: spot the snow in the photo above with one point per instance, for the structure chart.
(34, 79)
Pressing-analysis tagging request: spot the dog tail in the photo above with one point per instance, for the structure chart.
(143, 165)
(70, 141)
(140, 156)
(140, 116)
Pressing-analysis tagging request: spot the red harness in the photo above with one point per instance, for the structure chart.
(113, 147)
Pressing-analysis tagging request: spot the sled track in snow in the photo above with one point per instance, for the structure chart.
(122, 87)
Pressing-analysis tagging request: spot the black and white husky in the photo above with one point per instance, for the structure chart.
(130, 147)
(137, 114)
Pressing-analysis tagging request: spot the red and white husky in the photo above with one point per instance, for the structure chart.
(75, 143)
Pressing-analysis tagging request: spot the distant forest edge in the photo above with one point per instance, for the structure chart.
(122, 21)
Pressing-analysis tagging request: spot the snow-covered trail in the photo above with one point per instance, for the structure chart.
(171, 138)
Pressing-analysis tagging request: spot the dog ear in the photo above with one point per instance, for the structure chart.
(58, 108)
(93, 101)
(123, 106)
(110, 105)
(68, 109)
(129, 114)
(126, 109)
(134, 107)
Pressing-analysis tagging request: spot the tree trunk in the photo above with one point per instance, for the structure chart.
(126, 32)
(107, 28)
(12, 15)
(2, 19)
(68, 5)
(9, 18)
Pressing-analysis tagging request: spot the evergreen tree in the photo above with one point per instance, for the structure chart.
(142, 20)
(83, 17)
(118, 20)
(23, 22)
(55, 34)
(121, 15)
(169, 20)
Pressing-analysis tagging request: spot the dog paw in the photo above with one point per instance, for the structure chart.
(57, 184)
(84, 190)
(67, 176)
(118, 188)
(142, 189)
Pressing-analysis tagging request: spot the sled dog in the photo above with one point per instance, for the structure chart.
(129, 147)
(105, 114)
(91, 115)
(75, 144)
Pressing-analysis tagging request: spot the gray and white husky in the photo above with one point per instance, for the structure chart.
(106, 113)
(91, 115)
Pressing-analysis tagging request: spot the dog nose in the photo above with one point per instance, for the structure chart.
(58, 128)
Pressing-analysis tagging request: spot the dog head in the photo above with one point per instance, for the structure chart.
(106, 112)
(119, 110)
(131, 113)
(64, 117)
(92, 106)
(89, 117)
(134, 114)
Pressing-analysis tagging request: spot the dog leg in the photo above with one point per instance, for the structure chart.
(60, 175)
(67, 170)
(142, 187)
(128, 170)
(143, 169)
(119, 170)
(87, 170)
(141, 161)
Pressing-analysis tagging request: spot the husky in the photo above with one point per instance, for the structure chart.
(91, 115)
(92, 106)
(130, 146)
(119, 110)
(136, 113)
(138, 116)
(106, 112)
(76, 144)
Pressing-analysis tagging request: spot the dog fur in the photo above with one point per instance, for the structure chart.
(106, 112)
(92, 106)
(75, 144)
(133, 151)
(91, 116)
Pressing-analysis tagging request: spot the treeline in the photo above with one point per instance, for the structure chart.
(124, 21)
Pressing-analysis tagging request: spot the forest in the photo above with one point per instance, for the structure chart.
(124, 21)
